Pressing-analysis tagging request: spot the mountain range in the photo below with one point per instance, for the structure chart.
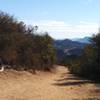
(69, 47)
(82, 40)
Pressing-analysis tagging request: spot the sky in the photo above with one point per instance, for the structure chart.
(60, 18)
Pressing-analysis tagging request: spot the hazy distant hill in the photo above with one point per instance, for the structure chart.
(83, 40)
(68, 44)
(68, 47)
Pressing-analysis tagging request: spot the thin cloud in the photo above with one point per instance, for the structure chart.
(61, 29)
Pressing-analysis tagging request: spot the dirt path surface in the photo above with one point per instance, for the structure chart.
(58, 85)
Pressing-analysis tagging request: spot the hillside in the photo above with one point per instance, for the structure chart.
(58, 85)
(83, 40)
(67, 44)
(68, 48)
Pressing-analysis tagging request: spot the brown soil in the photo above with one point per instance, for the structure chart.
(58, 85)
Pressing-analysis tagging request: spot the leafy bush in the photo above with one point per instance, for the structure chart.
(22, 48)
(88, 65)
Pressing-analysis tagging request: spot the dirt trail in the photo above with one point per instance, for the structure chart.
(58, 85)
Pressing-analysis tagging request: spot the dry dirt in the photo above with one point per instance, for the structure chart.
(58, 85)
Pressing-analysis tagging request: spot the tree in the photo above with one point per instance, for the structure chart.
(21, 46)
(88, 65)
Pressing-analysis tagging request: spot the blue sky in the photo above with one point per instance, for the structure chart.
(61, 18)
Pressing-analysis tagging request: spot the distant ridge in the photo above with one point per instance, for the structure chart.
(83, 40)
(68, 47)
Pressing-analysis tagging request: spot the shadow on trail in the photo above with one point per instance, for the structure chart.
(70, 80)
(71, 83)
(89, 89)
